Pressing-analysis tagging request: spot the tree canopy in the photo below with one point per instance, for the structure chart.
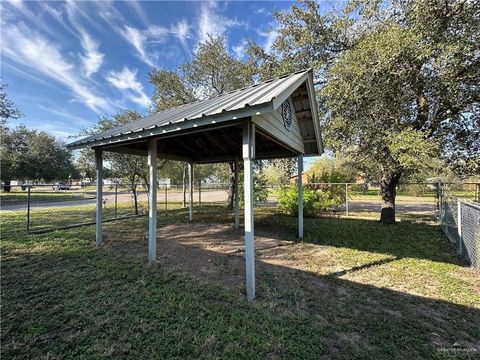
(32, 155)
(211, 71)
(8, 110)
(398, 82)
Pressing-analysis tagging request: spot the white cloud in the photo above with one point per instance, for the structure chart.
(181, 30)
(141, 39)
(65, 114)
(212, 22)
(20, 8)
(92, 59)
(36, 53)
(261, 11)
(126, 80)
(270, 37)
(139, 10)
(239, 50)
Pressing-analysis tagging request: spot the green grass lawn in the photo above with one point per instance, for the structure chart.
(353, 288)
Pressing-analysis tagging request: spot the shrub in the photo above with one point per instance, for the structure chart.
(314, 201)
(260, 188)
(288, 200)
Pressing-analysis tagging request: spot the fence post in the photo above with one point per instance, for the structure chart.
(200, 193)
(346, 198)
(116, 195)
(437, 210)
(445, 210)
(166, 202)
(459, 227)
(28, 210)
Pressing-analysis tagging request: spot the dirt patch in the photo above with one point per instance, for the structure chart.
(211, 252)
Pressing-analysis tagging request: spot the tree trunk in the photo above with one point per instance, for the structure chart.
(147, 189)
(231, 187)
(135, 200)
(388, 192)
(7, 186)
(184, 188)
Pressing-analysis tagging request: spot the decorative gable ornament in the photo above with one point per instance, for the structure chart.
(287, 115)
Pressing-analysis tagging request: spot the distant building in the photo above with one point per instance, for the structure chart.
(164, 183)
(294, 179)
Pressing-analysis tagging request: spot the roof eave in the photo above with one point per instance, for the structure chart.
(314, 110)
(276, 102)
(168, 129)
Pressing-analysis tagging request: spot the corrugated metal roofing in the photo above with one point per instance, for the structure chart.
(244, 98)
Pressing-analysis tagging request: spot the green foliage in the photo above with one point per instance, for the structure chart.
(288, 201)
(260, 188)
(169, 89)
(33, 155)
(132, 169)
(8, 110)
(213, 71)
(389, 74)
(279, 171)
(331, 170)
(315, 200)
(369, 93)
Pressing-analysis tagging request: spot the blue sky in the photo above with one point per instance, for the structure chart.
(67, 63)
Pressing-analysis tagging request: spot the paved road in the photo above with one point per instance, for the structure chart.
(207, 196)
(424, 208)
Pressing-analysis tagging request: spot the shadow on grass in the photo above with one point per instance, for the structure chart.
(73, 299)
(402, 240)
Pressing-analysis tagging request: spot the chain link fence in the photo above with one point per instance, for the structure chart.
(41, 208)
(414, 201)
(459, 215)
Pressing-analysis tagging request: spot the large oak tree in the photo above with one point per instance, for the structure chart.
(398, 82)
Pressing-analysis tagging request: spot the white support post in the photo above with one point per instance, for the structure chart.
(152, 211)
(237, 197)
(99, 174)
(248, 155)
(300, 196)
(190, 176)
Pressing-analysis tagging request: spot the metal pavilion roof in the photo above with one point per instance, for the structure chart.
(252, 100)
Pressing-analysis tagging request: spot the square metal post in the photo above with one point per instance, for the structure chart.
(152, 201)
(28, 208)
(237, 197)
(346, 199)
(190, 176)
(99, 209)
(248, 156)
(300, 196)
